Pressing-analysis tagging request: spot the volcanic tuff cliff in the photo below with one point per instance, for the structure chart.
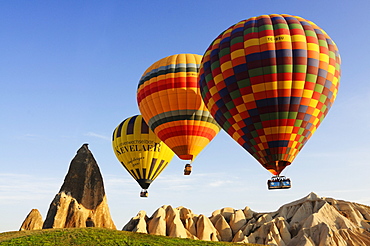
(311, 220)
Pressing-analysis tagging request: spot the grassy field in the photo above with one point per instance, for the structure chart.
(94, 237)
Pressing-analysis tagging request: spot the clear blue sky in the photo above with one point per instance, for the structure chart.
(68, 76)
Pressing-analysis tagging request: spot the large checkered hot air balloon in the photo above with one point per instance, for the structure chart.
(169, 100)
(269, 81)
(140, 151)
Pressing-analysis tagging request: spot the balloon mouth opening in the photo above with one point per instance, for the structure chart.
(186, 157)
(144, 183)
(276, 167)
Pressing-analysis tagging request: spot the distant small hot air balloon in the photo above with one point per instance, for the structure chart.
(169, 99)
(269, 81)
(140, 151)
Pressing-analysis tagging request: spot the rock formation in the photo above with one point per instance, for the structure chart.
(138, 223)
(157, 225)
(81, 201)
(33, 221)
(311, 220)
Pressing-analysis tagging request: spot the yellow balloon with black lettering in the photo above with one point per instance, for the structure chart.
(140, 151)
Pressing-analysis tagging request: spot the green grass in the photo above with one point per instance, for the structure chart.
(94, 237)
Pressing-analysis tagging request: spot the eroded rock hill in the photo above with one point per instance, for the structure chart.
(81, 201)
(312, 220)
(33, 221)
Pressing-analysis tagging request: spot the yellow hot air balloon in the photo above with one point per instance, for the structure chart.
(169, 99)
(140, 151)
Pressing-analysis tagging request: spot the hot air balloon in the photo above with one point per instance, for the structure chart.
(140, 151)
(169, 100)
(269, 81)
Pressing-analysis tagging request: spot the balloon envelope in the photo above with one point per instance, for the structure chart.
(269, 81)
(140, 151)
(169, 99)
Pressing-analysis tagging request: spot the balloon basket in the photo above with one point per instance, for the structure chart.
(279, 182)
(144, 193)
(187, 169)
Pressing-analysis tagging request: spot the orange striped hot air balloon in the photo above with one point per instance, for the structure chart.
(169, 100)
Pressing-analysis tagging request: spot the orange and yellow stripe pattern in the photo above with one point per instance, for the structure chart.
(169, 99)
